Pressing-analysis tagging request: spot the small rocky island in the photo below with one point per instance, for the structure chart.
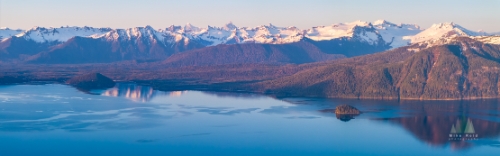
(346, 112)
(91, 81)
(346, 109)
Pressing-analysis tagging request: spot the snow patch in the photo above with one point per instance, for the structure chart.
(6, 33)
(442, 30)
(397, 35)
(62, 34)
(488, 39)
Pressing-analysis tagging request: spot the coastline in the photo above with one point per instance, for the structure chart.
(239, 87)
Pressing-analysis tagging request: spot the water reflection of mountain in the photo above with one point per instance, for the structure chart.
(234, 95)
(438, 131)
(137, 92)
(458, 124)
(145, 93)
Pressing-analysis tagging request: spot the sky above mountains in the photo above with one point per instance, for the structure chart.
(475, 15)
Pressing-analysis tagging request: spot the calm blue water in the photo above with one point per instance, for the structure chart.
(137, 120)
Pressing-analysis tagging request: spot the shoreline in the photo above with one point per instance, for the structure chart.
(221, 87)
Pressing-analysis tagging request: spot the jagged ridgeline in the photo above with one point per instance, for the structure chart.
(269, 43)
(445, 61)
(462, 69)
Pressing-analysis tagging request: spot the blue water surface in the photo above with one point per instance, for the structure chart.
(129, 119)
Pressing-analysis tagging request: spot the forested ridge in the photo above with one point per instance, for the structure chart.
(463, 69)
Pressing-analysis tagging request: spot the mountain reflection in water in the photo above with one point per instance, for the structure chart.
(460, 132)
(140, 93)
(459, 124)
(225, 119)
(137, 92)
(436, 123)
(456, 124)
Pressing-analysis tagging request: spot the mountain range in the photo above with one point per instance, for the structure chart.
(379, 60)
(190, 45)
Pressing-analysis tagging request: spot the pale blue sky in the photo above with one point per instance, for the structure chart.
(472, 14)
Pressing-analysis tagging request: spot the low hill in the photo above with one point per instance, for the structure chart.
(91, 81)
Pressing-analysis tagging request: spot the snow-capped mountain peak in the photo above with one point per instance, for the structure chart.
(443, 30)
(230, 26)
(339, 30)
(376, 32)
(444, 25)
(357, 23)
(62, 34)
(270, 25)
(7, 33)
(173, 28)
(190, 28)
(382, 22)
(396, 34)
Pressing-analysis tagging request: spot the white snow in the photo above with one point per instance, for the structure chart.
(370, 37)
(62, 34)
(7, 33)
(135, 34)
(381, 22)
(488, 39)
(396, 34)
(231, 33)
(228, 34)
(442, 30)
(334, 31)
